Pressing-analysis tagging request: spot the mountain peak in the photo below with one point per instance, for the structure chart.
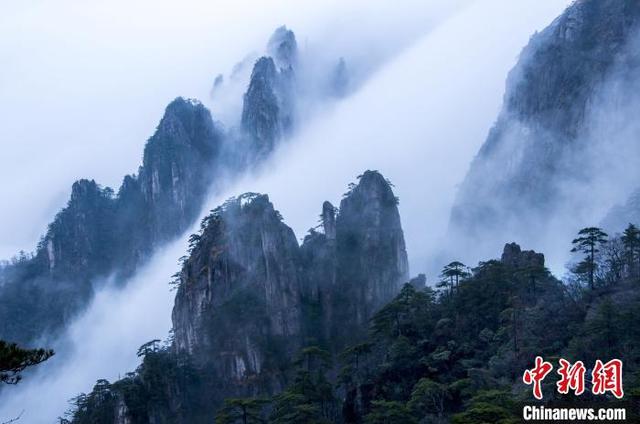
(181, 107)
(282, 46)
(247, 202)
(83, 188)
(186, 119)
(177, 164)
(372, 186)
(514, 256)
(369, 221)
(545, 138)
(372, 177)
(264, 70)
(244, 255)
(261, 113)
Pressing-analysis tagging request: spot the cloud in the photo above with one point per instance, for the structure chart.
(419, 120)
(102, 343)
(84, 83)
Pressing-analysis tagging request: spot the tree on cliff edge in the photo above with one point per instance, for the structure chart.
(14, 360)
(589, 241)
(631, 243)
(452, 274)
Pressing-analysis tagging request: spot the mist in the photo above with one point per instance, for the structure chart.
(84, 83)
(102, 343)
(605, 173)
(419, 121)
(428, 95)
(590, 173)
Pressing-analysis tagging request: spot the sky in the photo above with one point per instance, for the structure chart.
(85, 84)
(420, 121)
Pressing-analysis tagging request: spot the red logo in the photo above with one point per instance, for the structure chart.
(604, 377)
(536, 375)
(571, 377)
(607, 378)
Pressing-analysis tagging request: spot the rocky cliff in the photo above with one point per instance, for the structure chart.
(621, 215)
(358, 263)
(238, 302)
(99, 232)
(178, 164)
(249, 298)
(545, 156)
(73, 242)
(261, 115)
(283, 48)
(268, 108)
(248, 287)
(514, 257)
(370, 253)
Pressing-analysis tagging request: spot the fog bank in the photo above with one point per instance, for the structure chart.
(419, 121)
(101, 343)
(84, 83)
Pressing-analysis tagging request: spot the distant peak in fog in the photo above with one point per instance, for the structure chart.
(282, 46)
(555, 159)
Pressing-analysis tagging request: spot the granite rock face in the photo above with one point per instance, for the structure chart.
(268, 112)
(262, 120)
(514, 257)
(73, 241)
(371, 254)
(249, 297)
(283, 48)
(541, 154)
(178, 164)
(100, 233)
(240, 290)
(359, 262)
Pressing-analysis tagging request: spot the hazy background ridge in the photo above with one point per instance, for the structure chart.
(84, 83)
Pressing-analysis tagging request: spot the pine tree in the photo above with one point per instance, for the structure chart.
(14, 360)
(429, 398)
(454, 272)
(241, 411)
(589, 241)
(310, 397)
(631, 243)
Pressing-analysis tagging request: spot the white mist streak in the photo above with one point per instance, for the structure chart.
(84, 83)
(419, 121)
(102, 343)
